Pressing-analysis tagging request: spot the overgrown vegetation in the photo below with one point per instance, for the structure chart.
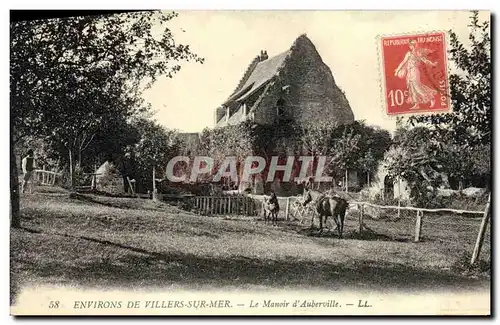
(355, 147)
(77, 82)
(457, 144)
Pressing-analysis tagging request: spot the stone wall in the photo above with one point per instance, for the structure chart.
(311, 94)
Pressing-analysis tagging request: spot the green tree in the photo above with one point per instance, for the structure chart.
(156, 146)
(368, 164)
(467, 129)
(415, 157)
(317, 138)
(70, 76)
(345, 153)
(469, 123)
(372, 144)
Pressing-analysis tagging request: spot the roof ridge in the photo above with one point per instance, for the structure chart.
(255, 63)
(272, 81)
(247, 74)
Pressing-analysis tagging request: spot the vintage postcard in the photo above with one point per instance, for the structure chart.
(250, 163)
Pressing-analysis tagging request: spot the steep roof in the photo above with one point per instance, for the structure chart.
(260, 75)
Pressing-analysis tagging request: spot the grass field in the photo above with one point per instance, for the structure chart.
(105, 242)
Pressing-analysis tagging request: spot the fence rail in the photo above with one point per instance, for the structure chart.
(418, 218)
(226, 205)
(46, 177)
(292, 209)
(415, 209)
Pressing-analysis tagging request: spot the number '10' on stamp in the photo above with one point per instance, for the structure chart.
(415, 73)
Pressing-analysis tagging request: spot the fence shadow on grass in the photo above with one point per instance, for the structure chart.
(152, 269)
(137, 267)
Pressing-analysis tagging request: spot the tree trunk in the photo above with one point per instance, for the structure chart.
(154, 184)
(71, 170)
(79, 158)
(346, 181)
(15, 221)
(368, 178)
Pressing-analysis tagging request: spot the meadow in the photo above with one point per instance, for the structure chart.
(107, 242)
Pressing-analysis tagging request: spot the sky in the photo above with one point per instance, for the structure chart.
(229, 40)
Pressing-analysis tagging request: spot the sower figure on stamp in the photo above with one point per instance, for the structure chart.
(28, 165)
(419, 93)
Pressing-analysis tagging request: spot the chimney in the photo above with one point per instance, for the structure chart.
(263, 56)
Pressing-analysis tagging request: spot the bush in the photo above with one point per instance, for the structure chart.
(378, 213)
(461, 202)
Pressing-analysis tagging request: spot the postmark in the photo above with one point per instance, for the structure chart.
(415, 73)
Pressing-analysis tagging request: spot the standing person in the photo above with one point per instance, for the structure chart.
(28, 165)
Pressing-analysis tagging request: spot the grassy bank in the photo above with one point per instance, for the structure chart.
(131, 243)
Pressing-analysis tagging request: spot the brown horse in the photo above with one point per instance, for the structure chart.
(327, 206)
(271, 209)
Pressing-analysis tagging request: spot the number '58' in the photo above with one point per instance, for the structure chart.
(54, 304)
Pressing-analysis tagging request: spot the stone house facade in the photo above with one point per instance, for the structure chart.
(294, 85)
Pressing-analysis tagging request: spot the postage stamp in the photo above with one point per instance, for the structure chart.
(415, 73)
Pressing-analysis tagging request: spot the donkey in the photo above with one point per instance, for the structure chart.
(327, 206)
(271, 209)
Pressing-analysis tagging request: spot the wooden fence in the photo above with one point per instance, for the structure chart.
(250, 205)
(419, 214)
(226, 205)
(419, 220)
(46, 177)
(291, 209)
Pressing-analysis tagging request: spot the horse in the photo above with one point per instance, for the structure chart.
(271, 209)
(327, 206)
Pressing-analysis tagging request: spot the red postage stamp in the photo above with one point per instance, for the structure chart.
(415, 74)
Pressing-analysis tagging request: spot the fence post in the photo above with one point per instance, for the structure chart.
(287, 208)
(418, 225)
(399, 197)
(482, 232)
(361, 208)
(154, 185)
(229, 208)
(261, 207)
